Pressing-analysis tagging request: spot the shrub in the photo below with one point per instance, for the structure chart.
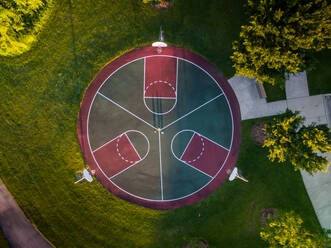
(287, 231)
(20, 23)
(290, 141)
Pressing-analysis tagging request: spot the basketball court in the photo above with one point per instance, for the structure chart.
(161, 128)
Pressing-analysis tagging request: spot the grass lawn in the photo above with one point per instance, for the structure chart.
(41, 92)
(275, 92)
(319, 80)
(3, 240)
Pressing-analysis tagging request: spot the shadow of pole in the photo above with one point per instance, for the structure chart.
(74, 51)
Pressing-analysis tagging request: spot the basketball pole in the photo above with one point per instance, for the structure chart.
(160, 43)
(242, 178)
(86, 176)
(161, 37)
(83, 178)
(236, 174)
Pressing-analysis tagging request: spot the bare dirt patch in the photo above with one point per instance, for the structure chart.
(258, 133)
(267, 214)
(196, 243)
(163, 5)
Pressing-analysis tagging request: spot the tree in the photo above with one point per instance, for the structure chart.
(287, 231)
(290, 141)
(20, 22)
(278, 36)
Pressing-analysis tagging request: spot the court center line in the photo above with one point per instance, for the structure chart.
(187, 146)
(193, 111)
(127, 110)
(160, 165)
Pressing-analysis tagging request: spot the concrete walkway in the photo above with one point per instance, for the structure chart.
(251, 104)
(314, 108)
(19, 232)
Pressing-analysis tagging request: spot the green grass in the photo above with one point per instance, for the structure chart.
(275, 92)
(319, 78)
(3, 240)
(41, 92)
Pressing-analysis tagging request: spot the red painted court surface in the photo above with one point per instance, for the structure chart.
(201, 152)
(161, 129)
(117, 155)
(159, 82)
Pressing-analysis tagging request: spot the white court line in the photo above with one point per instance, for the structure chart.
(88, 139)
(148, 149)
(124, 170)
(132, 145)
(197, 169)
(160, 165)
(174, 98)
(127, 111)
(144, 77)
(192, 111)
(187, 146)
(173, 153)
(162, 97)
(176, 79)
(215, 143)
(106, 143)
(163, 113)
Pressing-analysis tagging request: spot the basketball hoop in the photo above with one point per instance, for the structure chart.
(236, 174)
(160, 44)
(86, 175)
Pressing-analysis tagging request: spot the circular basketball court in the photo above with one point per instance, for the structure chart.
(160, 128)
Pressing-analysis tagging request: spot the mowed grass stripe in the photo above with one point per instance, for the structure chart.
(41, 92)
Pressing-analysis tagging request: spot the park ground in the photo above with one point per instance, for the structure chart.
(42, 91)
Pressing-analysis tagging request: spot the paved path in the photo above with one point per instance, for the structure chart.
(314, 108)
(319, 191)
(251, 104)
(19, 232)
(297, 86)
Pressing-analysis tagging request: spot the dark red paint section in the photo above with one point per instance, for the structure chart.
(160, 77)
(204, 155)
(116, 156)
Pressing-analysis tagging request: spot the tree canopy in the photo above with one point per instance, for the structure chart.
(287, 231)
(290, 141)
(278, 36)
(20, 22)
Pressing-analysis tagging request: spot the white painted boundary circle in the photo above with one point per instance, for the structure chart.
(143, 198)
